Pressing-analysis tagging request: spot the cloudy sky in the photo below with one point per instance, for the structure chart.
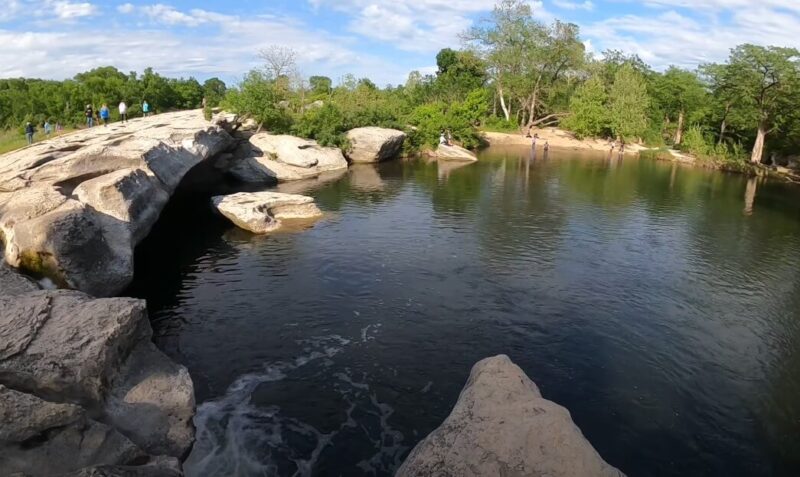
(381, 39)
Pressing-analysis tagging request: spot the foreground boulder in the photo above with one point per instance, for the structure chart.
(265, 159)
(38, 437)
(260, 212)
(74, 207)
(501, 425)
(13, 283)
(372, 144)
(63, 346)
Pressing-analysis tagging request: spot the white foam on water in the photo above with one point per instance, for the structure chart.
(237, 438)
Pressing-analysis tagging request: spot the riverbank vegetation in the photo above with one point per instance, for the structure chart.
(512, 72)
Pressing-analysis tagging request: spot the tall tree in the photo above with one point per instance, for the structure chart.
(766, 81)
(588, 115)
(680, 94)
(628, 104)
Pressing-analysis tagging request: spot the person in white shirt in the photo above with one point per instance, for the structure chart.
(123, 111)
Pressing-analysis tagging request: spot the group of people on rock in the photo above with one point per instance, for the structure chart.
(535, 139)
(103, 115)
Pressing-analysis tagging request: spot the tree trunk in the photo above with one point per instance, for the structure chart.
(758, 147)
(724, 126)
(679, 132)
(534, 100)
(506, 112)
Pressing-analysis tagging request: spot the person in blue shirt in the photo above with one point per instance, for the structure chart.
(29, 130)
(105, 114)
(48, 128)
(145, 109)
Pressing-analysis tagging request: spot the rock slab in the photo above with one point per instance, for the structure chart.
(452, 153)
(502, 426)
(373, 144)
(260, 212)
(74, 207)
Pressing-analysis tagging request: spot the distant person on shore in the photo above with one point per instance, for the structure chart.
(123, 111)
(48, 128)
(29, 130)
(442, 139)
(449, 138)
(105, 114)
(145, 109)
(89, 112)
(546, 146)
(59, 128)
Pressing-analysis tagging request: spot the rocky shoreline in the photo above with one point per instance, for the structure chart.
(84, 391)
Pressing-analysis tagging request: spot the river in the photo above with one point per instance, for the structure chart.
(659, 303)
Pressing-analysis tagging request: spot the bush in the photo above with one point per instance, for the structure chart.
(258, 98)
(694, 142)
(326, 125)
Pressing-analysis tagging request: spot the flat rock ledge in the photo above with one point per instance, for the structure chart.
(261, 212)
(502, 426)
(83, 390)
(373, 144)
(452, 153)
(74, 207)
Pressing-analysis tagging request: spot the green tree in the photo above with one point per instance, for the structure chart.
(257, 97)
(214, 90)
(766, 82)
(679, 93)
(588, 114)
(628, 104)
(320, 85)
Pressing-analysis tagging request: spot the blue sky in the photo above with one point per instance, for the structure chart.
(380, 39)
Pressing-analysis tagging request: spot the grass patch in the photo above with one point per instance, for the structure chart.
(11, 140)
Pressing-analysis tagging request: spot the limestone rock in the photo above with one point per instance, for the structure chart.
(260, 212)
(103, 186)
(76, 246)
(452, 153)
(128, 195)
(372, 144)
(152, 402)
(44, 438)
(65, 346)
(14, 283)
(501, 425)
(157, 467)
(298, 152)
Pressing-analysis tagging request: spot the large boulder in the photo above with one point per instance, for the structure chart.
(131, 196)
(452, 153)
(64, 346)
(267, 158)
(77, 247)
(260, 212)
(38, 437)
(72, 208)
(373, 144)
(501, 425)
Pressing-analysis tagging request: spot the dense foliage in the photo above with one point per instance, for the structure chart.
(513, 73)
(36, 100)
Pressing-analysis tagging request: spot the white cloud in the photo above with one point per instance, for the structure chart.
(170, 16)
(567, 5)
(125, 8)
(67, 10)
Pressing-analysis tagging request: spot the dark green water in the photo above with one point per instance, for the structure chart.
(659, 304)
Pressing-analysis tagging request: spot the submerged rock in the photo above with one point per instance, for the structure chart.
(72, 208)
(63, 346)
(260, 212)
(501, 425)
(267, 158)
(452, 153)
(372, 144)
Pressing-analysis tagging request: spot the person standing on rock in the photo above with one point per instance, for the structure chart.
(145, 109)
(105, 114)
(29, 130)
(123, 111)
(48, 128)
(89, 112)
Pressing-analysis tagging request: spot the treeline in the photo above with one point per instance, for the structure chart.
(515, 72)
(35, 100)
